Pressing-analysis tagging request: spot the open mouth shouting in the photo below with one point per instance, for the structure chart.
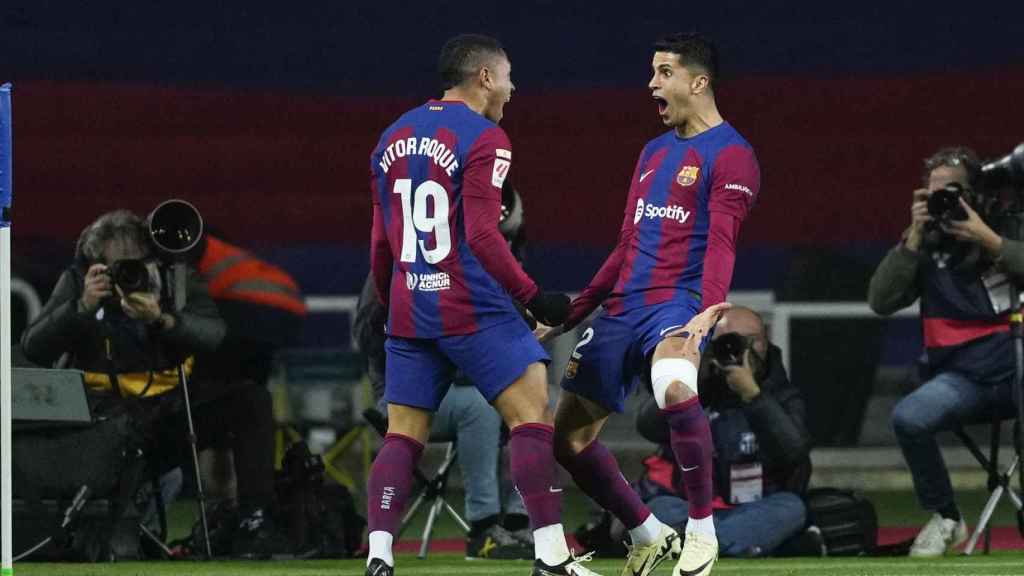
(662, 104)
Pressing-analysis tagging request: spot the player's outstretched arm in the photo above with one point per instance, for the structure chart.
(485, 172)
(600, 286)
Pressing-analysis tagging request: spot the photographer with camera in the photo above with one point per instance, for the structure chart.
(960, 268)
(761, 462)
(113, 315)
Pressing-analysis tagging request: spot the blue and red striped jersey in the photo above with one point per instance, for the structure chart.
(686, 201)
(438, 258)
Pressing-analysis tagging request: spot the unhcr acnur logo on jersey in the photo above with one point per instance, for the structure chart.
(428, 282)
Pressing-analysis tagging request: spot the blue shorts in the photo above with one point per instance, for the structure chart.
(614, 351)
(418, 371)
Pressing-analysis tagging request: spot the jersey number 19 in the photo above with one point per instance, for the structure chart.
(414, 217)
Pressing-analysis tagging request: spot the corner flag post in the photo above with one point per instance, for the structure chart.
(6, 185)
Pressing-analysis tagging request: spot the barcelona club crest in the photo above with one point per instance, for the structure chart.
(688, 175)
(571, 368)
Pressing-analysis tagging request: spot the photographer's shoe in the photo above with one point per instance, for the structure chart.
(256, 538)
(699, 555)
(642, 560)
(378, 567)
(524, 535)
(939, 535)
(497, 543)
(571, 567)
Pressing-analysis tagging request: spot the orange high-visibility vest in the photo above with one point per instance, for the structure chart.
(233, 274)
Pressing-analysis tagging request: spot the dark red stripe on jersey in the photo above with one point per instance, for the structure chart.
(737, 181)
(400, 306)
(633, 214)
(719, 258)
(942, 332)
(674, 242)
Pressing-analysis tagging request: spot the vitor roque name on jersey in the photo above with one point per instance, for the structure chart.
(672, 212)
(429, 147)
(428, 282)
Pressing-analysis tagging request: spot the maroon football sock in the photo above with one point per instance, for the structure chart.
(597, 473)
(691, 442)
(534, 473)
(391, 481)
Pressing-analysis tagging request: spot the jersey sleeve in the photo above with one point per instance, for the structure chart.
(381, 259)
(487, 165)
(719, 259)
(736, 182)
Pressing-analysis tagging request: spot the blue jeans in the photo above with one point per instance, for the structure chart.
(752, 529)
(940, 404)
(465, 417)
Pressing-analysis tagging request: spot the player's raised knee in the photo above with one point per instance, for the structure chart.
(673, 380)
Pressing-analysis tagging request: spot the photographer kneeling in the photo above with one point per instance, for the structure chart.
(958, 265)
(107, 314)
(762, 447)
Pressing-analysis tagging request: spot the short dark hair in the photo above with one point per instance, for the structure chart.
(954, 156)
(693, 50)
(463, 56)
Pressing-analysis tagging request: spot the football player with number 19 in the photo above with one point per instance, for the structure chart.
(446, 275)
(691, 188)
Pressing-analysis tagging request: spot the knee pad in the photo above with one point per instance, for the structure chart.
(668, 370)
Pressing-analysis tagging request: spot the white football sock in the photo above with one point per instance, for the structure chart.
(549, 545)
(705, 526)
(380, 547)
(647, 532)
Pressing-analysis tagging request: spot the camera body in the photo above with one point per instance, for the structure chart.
(131, 275)
(944, 207)
(944, 203)
(728, 349)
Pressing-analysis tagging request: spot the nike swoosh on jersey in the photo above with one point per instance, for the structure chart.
(645, 174)
(662, 333)
(685, 469)
(694, 572)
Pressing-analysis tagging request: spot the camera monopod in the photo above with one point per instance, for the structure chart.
(176, 227)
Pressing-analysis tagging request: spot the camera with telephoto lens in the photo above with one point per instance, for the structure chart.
(175, 229)
(728, 349)
(131, 275)
(992, 178)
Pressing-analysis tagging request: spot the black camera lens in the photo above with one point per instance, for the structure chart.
(728, 349)
(130, 275)
(944, 203)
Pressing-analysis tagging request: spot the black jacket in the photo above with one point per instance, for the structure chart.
(371, 316)
(62, 328)
(778, 417)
